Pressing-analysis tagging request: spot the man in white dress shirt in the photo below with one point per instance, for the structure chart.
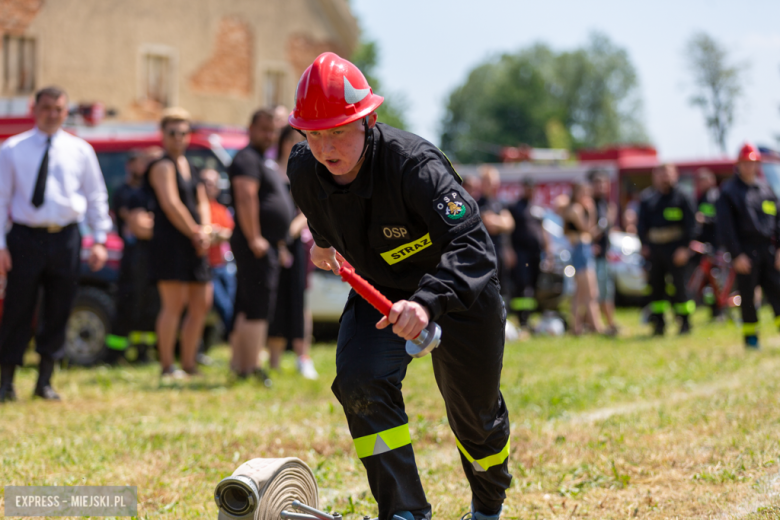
(50, 181)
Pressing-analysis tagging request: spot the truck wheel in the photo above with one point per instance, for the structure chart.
(89, 323)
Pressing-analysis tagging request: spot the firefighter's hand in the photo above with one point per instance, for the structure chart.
(5, 262)
(326, 258)
(408, 319)
(681, 256)
(777, 260)
(743, 265)
(645, 252)
(97, 257)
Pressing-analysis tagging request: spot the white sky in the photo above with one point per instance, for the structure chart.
(427, 48)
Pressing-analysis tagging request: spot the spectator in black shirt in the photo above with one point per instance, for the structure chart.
(497, 219)
(264, 210)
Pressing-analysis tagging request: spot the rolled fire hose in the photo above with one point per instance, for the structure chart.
(261, 488)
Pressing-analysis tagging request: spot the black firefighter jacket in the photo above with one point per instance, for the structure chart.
(405, 223)
(747, 214)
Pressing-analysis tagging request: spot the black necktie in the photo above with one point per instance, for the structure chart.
(43, 172)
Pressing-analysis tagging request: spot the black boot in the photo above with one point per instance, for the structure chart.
(43, 389)
(7, 392)
(659, 325)
(685, 325)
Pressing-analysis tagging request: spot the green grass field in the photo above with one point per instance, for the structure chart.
(631, 427)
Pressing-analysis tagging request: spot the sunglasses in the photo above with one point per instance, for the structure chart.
(176, 133)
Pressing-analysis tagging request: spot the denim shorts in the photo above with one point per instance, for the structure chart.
(582, 257)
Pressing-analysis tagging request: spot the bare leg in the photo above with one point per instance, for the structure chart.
(608, 310)
(250, 337)
(592, 301)
(234, 341)
(173, 298)
(198, 305)
(578, 301)
(275, 349)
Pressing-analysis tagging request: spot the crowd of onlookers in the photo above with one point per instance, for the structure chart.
(523, 247)
(185, 252)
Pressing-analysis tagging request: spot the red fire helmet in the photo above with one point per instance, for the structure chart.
(332, 92)
(749, 153)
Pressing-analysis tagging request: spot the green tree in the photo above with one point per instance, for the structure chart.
(393, 110)
(583, 98)
(717, 85)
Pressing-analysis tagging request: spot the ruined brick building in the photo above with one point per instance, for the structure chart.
(220, 59)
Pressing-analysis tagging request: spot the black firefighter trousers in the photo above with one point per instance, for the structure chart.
(371, 365)
(763, 273)
(661, 264)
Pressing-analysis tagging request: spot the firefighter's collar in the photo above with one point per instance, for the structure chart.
(362, 186)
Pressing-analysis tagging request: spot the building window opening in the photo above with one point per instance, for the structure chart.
(274, 88)
(18, 64)
(157, 69)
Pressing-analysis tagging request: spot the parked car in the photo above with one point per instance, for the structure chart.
(627, 266)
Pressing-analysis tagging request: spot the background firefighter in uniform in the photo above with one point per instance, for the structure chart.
(528, 242)
(392, 205)
(750, 230)
(666, 226)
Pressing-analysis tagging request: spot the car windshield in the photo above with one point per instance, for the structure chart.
(772, 174)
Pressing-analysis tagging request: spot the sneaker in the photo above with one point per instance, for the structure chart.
(751, 342)
(170, 375)
(306, 368)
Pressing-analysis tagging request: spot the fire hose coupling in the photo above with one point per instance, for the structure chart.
(428, 339)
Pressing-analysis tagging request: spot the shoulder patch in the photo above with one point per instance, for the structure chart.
(451, 207)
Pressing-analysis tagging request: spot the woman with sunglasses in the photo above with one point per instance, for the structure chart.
(179, 246)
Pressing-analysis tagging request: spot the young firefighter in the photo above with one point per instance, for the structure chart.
(750, 230)
(391, 204)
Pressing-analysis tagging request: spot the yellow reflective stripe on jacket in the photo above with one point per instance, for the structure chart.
(523, 303)
(769, 207)
(673, 214)
(383, 442)
(405, 251)
(707, 209)
(485, 463)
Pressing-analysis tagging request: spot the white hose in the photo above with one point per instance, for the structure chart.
(279, 482)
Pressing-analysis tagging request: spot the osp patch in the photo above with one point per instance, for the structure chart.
(451, 207)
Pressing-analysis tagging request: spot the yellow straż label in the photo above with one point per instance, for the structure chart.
(405, 251)
(769, 207)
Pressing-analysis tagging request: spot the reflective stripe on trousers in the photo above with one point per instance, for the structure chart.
(485, 463)
(382, 442)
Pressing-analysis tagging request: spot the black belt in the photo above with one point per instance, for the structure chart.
(52, 228)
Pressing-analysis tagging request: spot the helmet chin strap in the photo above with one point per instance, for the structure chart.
(365, 140)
